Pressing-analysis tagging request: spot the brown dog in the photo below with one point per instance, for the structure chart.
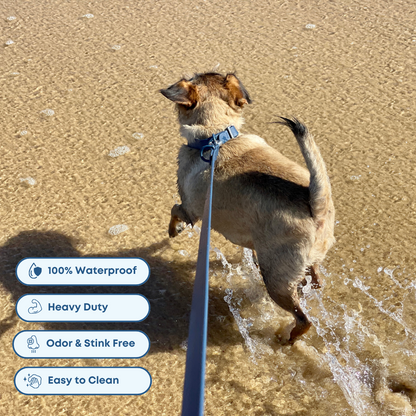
(261, 200)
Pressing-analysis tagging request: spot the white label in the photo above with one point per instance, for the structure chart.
(81, 344)
(73, 308)
(82, 380)
(83, 271)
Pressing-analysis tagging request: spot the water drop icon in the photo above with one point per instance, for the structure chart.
(34, 271)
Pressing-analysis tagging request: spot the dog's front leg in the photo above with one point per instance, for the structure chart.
(178, 217)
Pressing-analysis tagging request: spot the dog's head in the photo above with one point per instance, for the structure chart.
(208, 99)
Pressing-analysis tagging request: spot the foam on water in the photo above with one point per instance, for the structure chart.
(117, 229)
(48, 112)
(28, 180)
(119, 151)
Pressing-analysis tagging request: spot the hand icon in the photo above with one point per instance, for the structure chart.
(34, 381)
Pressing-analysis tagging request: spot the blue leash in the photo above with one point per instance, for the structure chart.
(193, 393)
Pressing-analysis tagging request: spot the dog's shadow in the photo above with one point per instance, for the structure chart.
(169, 291)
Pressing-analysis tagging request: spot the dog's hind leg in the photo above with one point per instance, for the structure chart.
(281, 276)
(312, 271)
(178, 217)
(316, 281)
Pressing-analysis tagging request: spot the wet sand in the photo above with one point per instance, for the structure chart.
(344, 68)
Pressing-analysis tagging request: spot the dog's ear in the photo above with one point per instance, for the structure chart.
(237, 91)
(183, 93)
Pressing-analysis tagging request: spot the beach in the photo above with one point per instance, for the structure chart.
(89, 159)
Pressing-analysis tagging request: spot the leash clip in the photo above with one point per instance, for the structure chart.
(213, 144)
(205, 148)
(215, 141)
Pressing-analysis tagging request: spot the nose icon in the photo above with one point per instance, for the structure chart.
(32, 343)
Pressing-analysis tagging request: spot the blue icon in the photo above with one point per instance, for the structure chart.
(35, 309)
(32, 343)
(34, 271)
(34, 381)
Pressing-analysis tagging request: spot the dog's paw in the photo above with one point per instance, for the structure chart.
(175, 230)
(282, 333)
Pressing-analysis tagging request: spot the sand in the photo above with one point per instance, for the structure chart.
(88, 143)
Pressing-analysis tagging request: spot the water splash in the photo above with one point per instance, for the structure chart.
(234, 306)
(246, 278)
(344, 332)
(243, 324)
(340, 329)
(352, 376)
(396, 316)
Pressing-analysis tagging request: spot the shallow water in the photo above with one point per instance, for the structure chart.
(88, 169)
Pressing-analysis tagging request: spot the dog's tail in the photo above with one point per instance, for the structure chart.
(319, 185)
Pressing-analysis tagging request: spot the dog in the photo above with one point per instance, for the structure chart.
(261, 199)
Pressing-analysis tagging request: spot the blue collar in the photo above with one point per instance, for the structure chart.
(216, 139)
